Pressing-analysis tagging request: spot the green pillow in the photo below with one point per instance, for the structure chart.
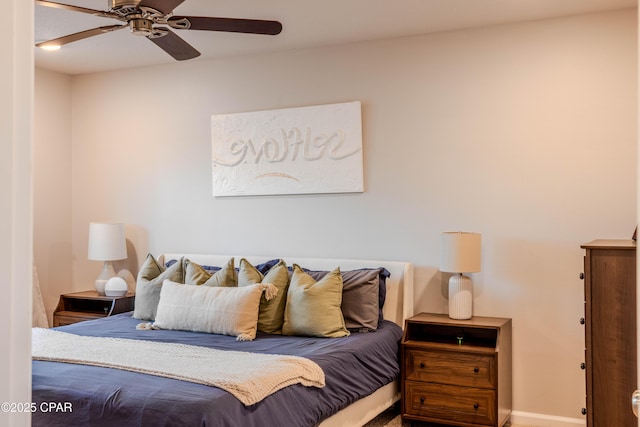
(226, 277)
(271, 314)
(149, 284)
(313, 308)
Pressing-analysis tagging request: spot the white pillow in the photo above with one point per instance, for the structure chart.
(218, 310)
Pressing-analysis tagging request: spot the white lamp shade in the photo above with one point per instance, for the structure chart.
(107, 241)
(461, 252)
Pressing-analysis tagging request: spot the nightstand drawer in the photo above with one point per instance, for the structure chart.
(463, 369)
(451, 403)
(62, 318)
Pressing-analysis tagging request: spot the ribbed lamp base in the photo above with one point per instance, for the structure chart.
(460, 297)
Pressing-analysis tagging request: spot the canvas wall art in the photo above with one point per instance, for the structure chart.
(305, 150)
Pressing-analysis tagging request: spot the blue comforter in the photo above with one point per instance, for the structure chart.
(354, 367)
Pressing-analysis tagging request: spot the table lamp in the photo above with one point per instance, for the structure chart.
(460, 254)
(106, 243)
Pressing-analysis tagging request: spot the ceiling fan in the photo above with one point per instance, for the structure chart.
(148, 18)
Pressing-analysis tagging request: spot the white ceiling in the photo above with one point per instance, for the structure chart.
(306, 23)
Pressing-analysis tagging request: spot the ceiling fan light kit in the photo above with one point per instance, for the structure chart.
(147, 18)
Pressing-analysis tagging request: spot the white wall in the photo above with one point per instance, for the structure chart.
(52, 185)
(526, 133)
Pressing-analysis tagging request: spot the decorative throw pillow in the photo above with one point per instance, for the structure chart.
(313, 308)
(363, 289)
(271, 314)
(195, 274)
(218, 310)
(360, 292)
(383, 276)
(149, 284)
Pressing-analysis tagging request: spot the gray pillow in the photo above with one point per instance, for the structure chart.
(149, 284)
(360, 299)
(313, 308)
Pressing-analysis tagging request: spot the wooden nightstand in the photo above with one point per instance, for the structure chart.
(456, 372)
(89, 305)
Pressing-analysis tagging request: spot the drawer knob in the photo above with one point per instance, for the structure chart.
(422, 400)
(583, 365)
(476, 406)
(582, 320)
(584, 411)
(422, 365)
(476, 370)
(581, 276)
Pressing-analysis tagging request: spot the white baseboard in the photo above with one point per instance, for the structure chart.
(530, 419)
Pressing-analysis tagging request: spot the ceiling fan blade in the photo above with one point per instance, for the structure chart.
(179, 49)
(251, 26)
(79, 9)
(164, 6)
(81, 35)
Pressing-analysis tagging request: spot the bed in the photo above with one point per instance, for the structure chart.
(357, 384)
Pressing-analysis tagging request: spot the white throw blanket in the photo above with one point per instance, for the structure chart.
(250, 377)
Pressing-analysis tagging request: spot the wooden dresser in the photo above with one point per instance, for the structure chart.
(610, 332)
(456, 372)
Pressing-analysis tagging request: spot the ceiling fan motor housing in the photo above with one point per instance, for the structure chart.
(141, 26)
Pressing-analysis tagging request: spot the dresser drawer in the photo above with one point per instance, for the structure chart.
(451, 403)
(463, 369)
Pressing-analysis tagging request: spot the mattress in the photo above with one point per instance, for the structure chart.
(354, 367)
